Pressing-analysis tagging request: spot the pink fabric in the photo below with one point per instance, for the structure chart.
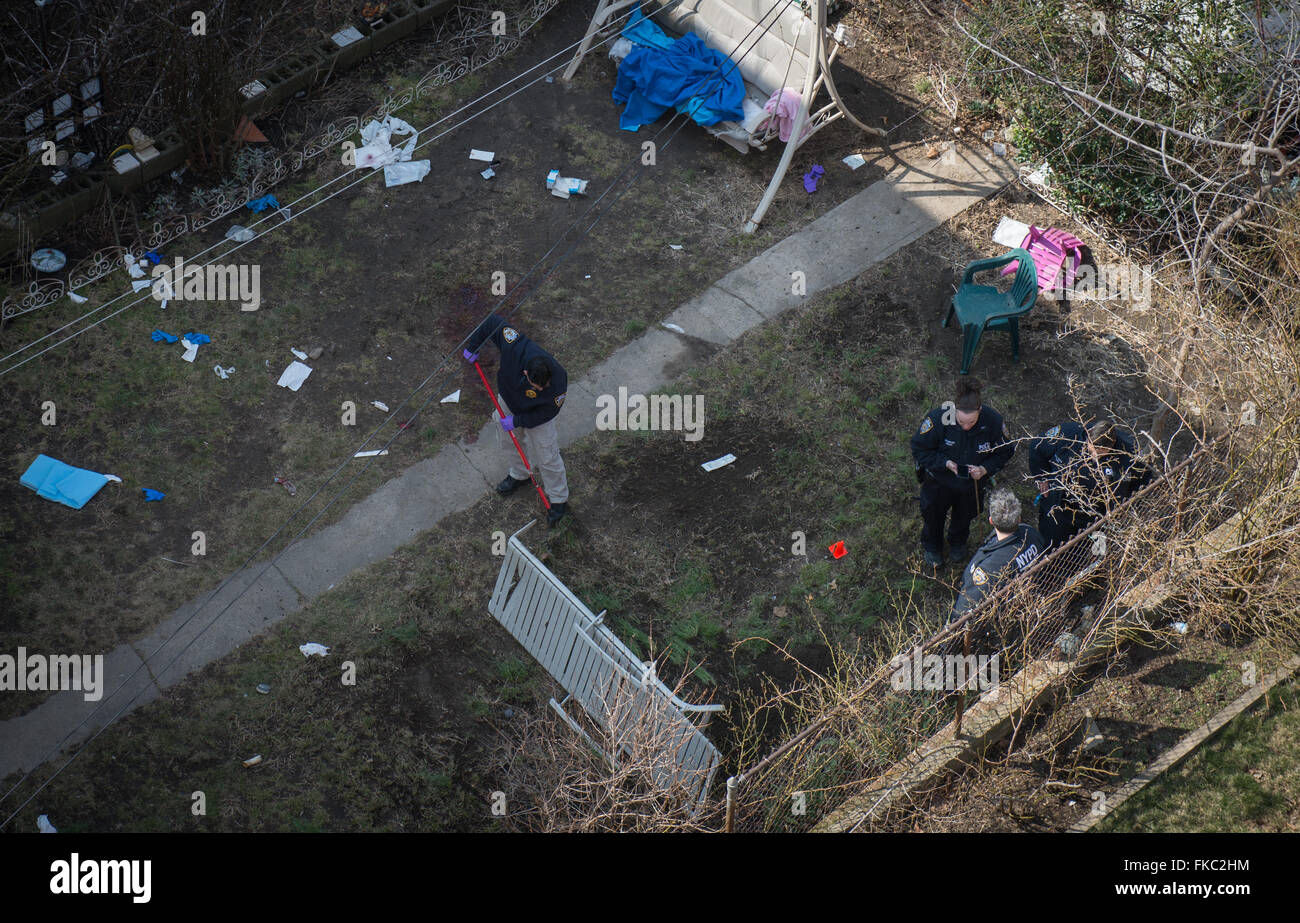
(1050, 249)
(784, 106)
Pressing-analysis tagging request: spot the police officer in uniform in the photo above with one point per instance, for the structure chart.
(1010, 548)
(958, 448)
(1077, 470)
(532, 387)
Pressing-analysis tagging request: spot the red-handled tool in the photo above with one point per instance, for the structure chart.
(527, 467)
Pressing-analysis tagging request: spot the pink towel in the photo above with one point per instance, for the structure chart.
(784, 106)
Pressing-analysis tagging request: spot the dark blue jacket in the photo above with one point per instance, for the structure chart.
(984, 444)
(996, 560)
(530, 407)
(1059, 455)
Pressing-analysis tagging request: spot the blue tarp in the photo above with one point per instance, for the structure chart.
(685, 74)
(62, 483)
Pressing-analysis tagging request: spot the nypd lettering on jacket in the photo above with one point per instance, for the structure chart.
(529, 406)
(995, 560)
(985, 444)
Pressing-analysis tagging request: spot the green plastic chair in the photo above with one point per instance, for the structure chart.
(984, 307)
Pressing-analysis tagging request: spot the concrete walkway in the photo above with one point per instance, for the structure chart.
(910, 201)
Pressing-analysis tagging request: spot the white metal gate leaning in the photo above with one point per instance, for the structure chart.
(619, 692)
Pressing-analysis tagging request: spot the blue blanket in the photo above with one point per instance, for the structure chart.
(62, 483)
(685, 74)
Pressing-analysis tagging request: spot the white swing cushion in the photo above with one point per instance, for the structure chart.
(769, 60)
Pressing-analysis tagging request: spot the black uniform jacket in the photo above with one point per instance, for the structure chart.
(530, 406)
(1060, 457)
(989, 562)
(984, 444)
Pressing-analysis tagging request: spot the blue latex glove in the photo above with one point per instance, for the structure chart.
(262, 204)
(470, 357)
(154, 257)
(160, 336)
(198, 339)
(508, 423)
(152, 494)
(810, 178)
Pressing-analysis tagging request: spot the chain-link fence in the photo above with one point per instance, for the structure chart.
(1066, 602)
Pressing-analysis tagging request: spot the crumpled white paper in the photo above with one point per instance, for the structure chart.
(293, 377)
(378, 150)
(312, 647)
(191, 350)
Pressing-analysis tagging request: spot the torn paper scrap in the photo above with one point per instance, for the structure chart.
(485, 156)
(453, 398)
(379, 405)
(853, 161)
(718, 462)
(673, 327)
(293, 377)
(299, 353)
(674, 246)
(399, 174)
(311, 647)
(488, 173)
(370, 453)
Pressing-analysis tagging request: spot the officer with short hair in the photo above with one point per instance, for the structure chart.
(1010, 548)
(958, 448)
(532, 387)
(1077, 470)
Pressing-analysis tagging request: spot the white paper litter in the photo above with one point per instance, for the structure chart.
(399, 174)
(347, 36)
(999, 149)
(620, 49)
(453, 398)
(378, 150)
(380, 404)
(1010, 232)
(293, 377)
(140, 285)
(674, 246)
(311, 647)
(299, 353)
(223, 374)
(565, 186)
(78, 299)
(191, 350)
(673, 327)
(371, 453)
(485, 156)
(854, 161)
(488, 173)
(718, 462)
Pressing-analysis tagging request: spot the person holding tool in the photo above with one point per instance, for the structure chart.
(958, 448)
(532, 386)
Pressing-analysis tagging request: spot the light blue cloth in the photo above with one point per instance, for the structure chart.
(62, 483)
(685, 74)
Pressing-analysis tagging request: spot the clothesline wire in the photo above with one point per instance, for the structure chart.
(633, 162)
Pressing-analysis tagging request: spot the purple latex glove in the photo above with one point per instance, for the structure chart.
(508, 423)
(470, 357)
(810, 178)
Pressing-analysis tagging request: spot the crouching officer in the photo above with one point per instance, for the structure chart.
(532, 386)
(958, 448)
(1078, 470)
(1010, 548)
